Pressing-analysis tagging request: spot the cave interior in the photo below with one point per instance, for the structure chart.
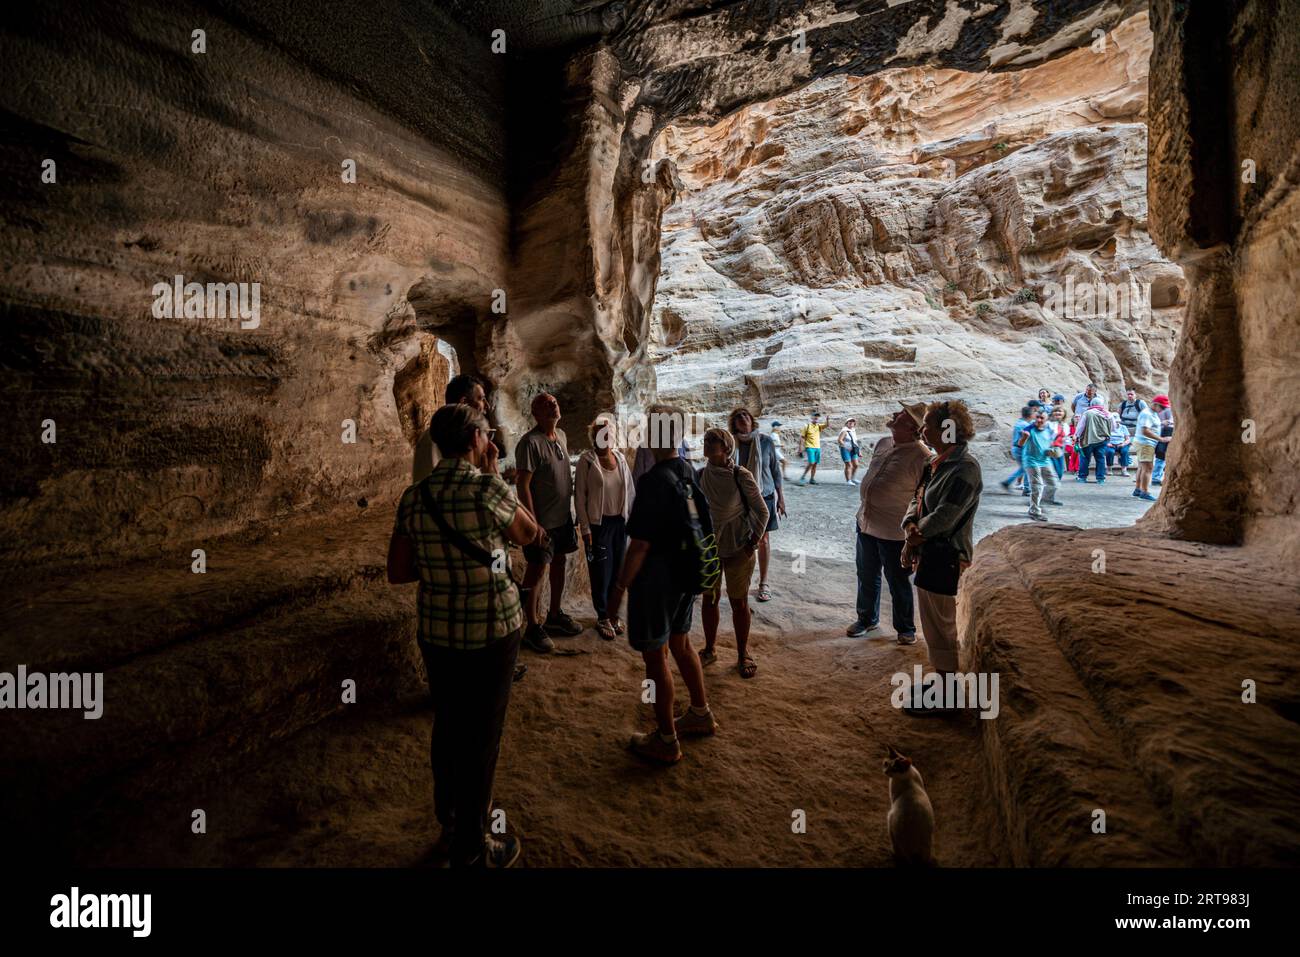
(424, 188)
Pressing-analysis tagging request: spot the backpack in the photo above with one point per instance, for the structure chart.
(696, 567)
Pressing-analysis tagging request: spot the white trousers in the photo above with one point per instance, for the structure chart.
(939, 627)
(1042, 488)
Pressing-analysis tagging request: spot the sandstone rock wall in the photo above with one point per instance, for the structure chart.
(1225, 167)
(226, 166)
(587, 245)
(894, 236)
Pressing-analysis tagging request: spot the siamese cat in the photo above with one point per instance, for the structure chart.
(911, 818)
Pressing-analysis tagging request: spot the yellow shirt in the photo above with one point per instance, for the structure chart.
(812, 435)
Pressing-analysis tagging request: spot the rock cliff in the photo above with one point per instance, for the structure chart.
(915, 234)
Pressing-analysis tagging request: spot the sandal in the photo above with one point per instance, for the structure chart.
(708, 656)
(747, 667)
(764, 593)
(605, 629)
(618, 625)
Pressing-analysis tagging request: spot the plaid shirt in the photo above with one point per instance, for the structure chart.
(458, 595)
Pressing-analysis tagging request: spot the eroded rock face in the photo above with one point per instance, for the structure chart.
(587, 249)
(228, 166)
(897, 236)
(225, 166)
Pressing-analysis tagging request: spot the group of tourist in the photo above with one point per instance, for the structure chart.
(1086, 437)
(638, 523)
(455, 525)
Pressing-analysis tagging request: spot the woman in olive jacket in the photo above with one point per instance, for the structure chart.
(939, 527)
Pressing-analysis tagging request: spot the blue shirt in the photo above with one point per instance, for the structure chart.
(1015, 436)
(1037, 443)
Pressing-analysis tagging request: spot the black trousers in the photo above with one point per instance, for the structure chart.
(470, 690)
(876, 555)
(609, 541)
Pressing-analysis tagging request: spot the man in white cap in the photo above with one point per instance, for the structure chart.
(897, 462)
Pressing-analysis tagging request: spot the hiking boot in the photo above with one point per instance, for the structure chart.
(859, 628)
(907, 639)
(1037, 517)
(651, 746)
(562, 625)
(692, 724)
(498, 852)
(536, 639)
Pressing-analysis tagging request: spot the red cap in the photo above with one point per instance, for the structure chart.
(1161, 400)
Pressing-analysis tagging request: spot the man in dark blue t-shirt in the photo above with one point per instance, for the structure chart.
(659, 612)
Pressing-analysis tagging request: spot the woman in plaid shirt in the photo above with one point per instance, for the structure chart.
(451, 536)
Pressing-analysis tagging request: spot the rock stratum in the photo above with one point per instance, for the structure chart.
(866, 239)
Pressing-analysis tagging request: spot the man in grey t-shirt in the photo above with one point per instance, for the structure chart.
(544, 480)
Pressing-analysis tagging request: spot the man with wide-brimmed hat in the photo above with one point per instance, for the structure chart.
(896, 465)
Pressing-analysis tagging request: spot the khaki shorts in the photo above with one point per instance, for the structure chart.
(738, 572)
(1146, 453)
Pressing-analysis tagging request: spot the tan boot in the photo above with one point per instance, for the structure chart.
(692, 725)
(651, 746)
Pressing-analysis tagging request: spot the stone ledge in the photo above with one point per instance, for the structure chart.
(1140, 716)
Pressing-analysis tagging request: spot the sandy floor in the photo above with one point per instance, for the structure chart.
(805, 734)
